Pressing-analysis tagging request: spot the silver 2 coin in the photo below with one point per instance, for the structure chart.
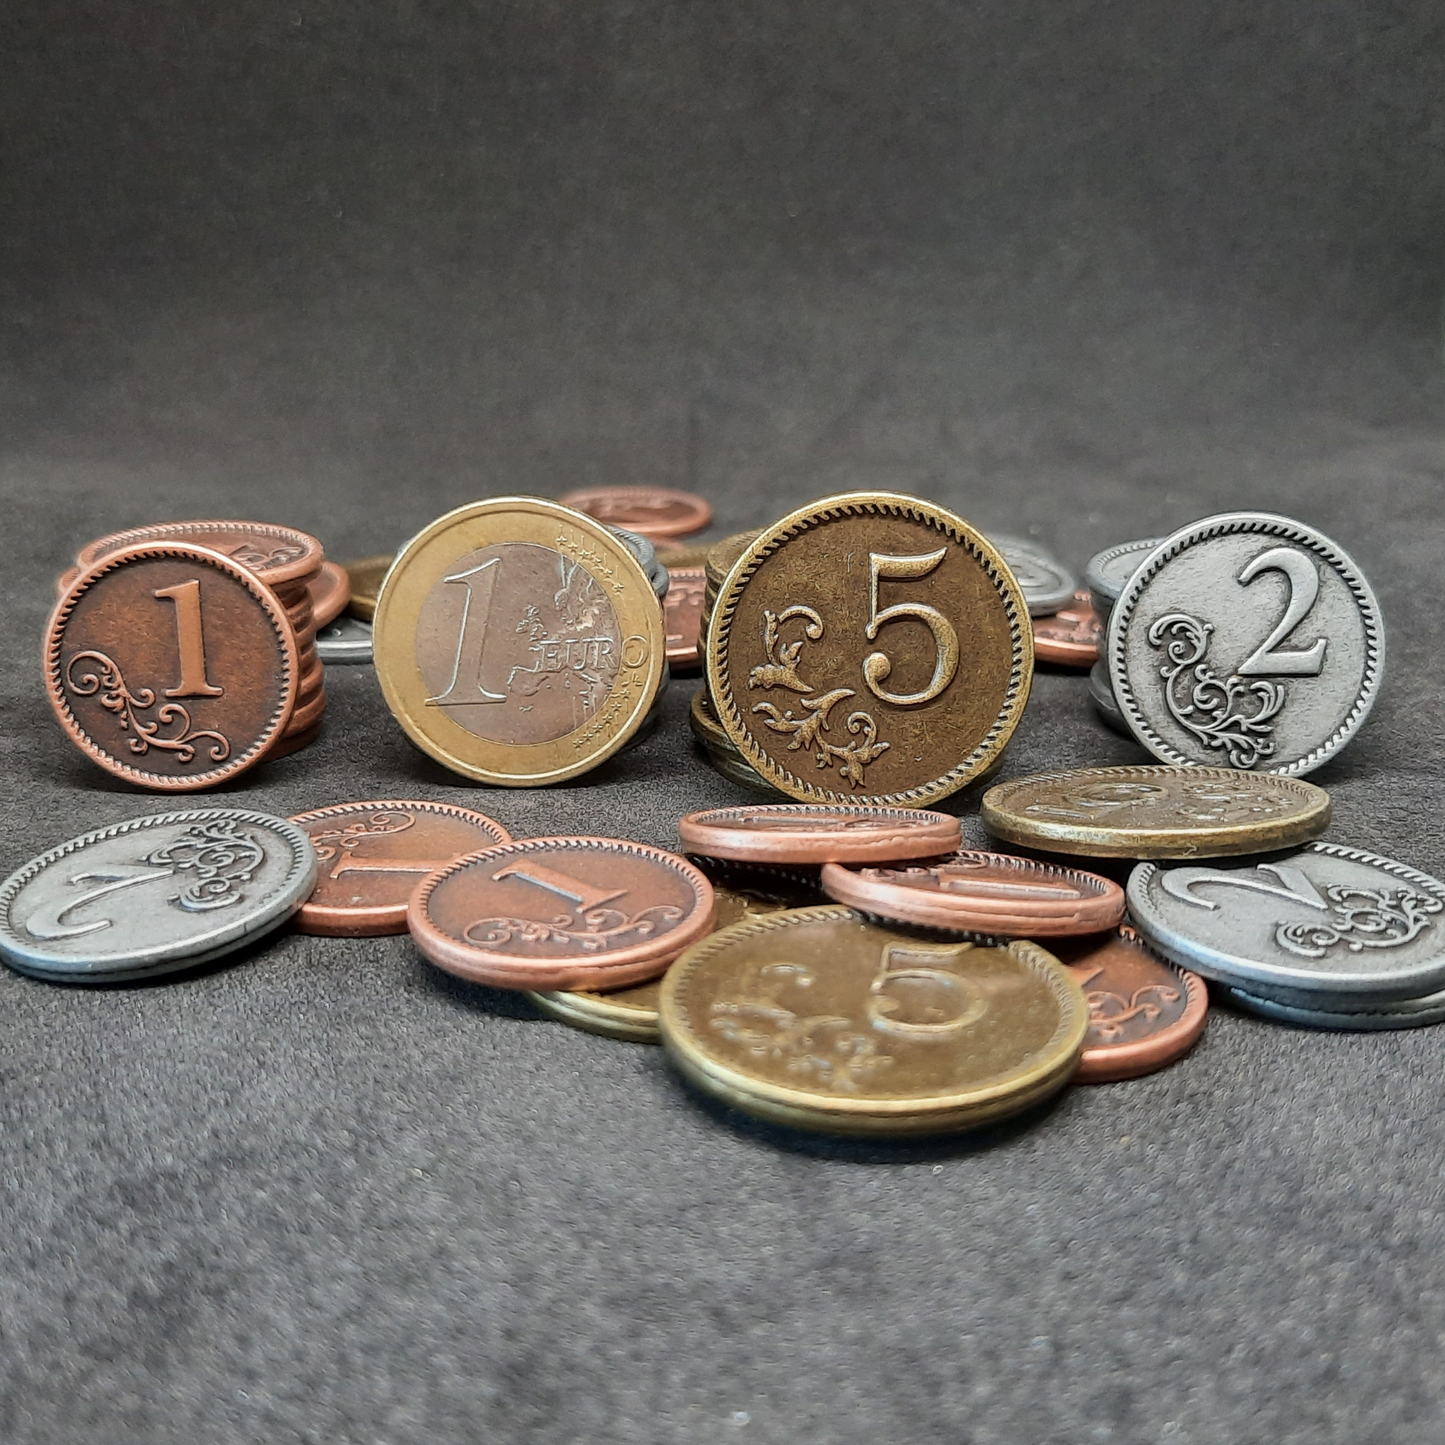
(153, 894)
(646, 554)
(1408, 1013)
(1046, 583)
(1101, 691)
(1246, 641)
(1109, 571)
(1326, 927)
(347, 640)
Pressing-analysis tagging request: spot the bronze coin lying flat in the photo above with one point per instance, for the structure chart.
(682, 613)
(1144, 1013)
(1071, 636)
(365, 574)
(818, 833)
(990, 893)
(330, 591)
(658, 513)
(277, 555)
(373, 855)
(171, 666)
(561, 913)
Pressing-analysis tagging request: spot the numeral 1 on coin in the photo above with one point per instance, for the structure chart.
(466, 682)
(190, 641)
(581, 895)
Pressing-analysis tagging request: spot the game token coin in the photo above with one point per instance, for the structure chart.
(1071, 636)
(283, 558)
(1329, 927)
(694, 555)
(347, 640)
(1405, 1013)
(518, 642)
(1248, 640)
(1155, 812)
(1108, 572)
(171, 665)
(813, 833)
(990, 893)
(153, 894)
(1144, 1014)
(373, 855)
(658, 513)
(682, 611)
(556, 913)
(330, 591)
(870, 648)
(646, 555)
(1101, 694)
(1047, 584)
(722, 752)
(819, 1019)
(366, 575)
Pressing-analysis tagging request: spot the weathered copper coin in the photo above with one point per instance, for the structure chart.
(682, 611)
(818, 833)
(519, 642)
(1144, 1014)
(62, 583)
(554, 913)
(373, 855)
(366, 575)
(277, 555)
(330, 591)
(290, 743)
(1070, 638)
(992, 893)
(657, 512)
(870, 648)
(1155, 812)
(820, 1019)
(171, 665)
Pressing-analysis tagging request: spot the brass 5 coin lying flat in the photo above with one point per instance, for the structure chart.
(519, 642)
(1155, 812)
(818, 1019)
(870, 648)
(817, 833)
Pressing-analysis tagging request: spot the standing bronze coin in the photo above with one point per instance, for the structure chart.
(373, 856)
(682, 612)
(659, 513)
(818, 833)
(870, 648)
(561, 913)
(366, 575)
(1071, 637)
(171, 666)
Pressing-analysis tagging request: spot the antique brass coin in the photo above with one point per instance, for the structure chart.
(870, 648)
(819, 1019)
(365, 574)
(691, 556)
(518, 642)
(1155, 812)
(721, 751)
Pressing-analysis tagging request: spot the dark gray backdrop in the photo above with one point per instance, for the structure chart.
(1085, 270)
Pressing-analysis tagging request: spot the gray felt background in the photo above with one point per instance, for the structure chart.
(1085, 270)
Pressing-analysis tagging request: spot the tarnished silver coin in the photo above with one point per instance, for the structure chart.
(1327, 927)
(646, 555)
(1404, 1013)
(1047, 584)
(1101, 692)
(1109, 571)
(348, 639)
(1247, 641)
(153, 894)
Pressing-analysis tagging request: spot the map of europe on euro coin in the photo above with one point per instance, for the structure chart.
(870, 648)
(1249, 641)
(519, 642)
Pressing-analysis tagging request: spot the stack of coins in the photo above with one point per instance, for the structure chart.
(661, 514)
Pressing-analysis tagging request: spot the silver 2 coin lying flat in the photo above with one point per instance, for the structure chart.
(1047, 584)
(1247, 641)
(1109, 571)
(153, 894)
(1326, 928)
(348, 639)
(1405, 1013)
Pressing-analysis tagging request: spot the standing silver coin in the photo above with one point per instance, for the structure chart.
(1327, 928)
(1047, 584)
(1246, 640)
(348, 639)
(646, 555)
(1101, 691)
(1109, 571)
(153, 894)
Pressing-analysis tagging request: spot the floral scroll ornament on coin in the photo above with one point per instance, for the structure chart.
(117, 698)
(338, 840)
(1362, 918)
(220, 854)
(781, 670)
(1109, 1012)
(593, 932)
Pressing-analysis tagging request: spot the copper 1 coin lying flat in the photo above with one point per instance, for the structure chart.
(818, 833)
(658, 513)
(279, 556)
(990, 893)
(558, 913)
(518, 642)
(171, 666)
(870, 648)
(682, 610)
(1071, 636)
(1144, 1013)
(330, 592)
(1155, 812)
(373, 855)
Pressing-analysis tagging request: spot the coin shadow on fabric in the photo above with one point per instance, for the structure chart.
(475, 997)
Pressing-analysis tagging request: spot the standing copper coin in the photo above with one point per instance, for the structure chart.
(682, 612)
(366, 575)
(659, 513)
(549, 913)
(816, 833)
(1070, 638)
(171, 665)
(991, 893)
(330, 591)
(1144, 1014)
(373, 855)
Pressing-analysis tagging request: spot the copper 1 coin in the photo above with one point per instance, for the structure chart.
(682, 614)
(277, 555)
(1144, 1013)
(561, 913)
(330, 591)
(975, 892)
(658, 513)
(818, 833)
(1071, 636)
(373, 855)
(171, 666)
